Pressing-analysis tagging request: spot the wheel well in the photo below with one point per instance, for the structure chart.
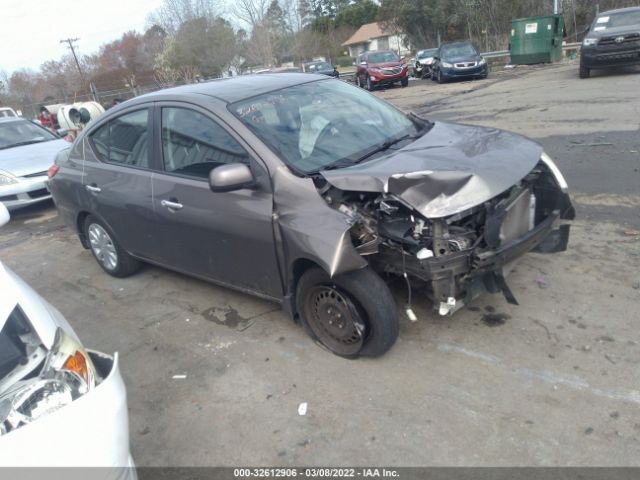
(298, 268)
(82, 216)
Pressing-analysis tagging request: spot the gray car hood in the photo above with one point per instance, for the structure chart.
(448, 170)
(34, 158)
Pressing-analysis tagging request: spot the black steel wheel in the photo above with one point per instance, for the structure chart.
(352, 314)
(335, 320)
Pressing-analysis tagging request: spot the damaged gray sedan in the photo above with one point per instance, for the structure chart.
(312, 193)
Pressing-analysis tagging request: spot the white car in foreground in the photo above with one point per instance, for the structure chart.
(60, 405)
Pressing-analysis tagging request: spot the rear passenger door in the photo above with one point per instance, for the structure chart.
(223, 236)
(117, 177)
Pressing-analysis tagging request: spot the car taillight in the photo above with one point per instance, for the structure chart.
(53, 169)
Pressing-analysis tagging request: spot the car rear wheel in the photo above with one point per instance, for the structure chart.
(106, 250)
(584, 72)
(352, 315)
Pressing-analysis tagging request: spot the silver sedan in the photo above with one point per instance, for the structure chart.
(27, 151)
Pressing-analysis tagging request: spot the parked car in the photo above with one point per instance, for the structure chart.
(26, 152)
(612, 41)
(458, 60)
(60, 404)
(322, 68)
(307, 192)
(423, 62)
(380, 67)
(7, 112)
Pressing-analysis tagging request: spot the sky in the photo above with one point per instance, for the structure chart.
(31, 30)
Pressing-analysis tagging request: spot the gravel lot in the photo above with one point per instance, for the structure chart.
(554, 381)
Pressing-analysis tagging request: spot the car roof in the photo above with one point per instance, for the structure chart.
(234, 89)
(620, 10)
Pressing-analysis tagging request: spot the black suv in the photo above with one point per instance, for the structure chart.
(613, 41)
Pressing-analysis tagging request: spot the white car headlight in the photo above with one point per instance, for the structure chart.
(588, 41)
(447, 65)
(482, 61)
(6, 179)
(68, 373)
(562, 183)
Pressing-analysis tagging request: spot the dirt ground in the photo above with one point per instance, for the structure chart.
(553, 381)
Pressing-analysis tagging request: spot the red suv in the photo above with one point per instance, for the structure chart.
(382, 67)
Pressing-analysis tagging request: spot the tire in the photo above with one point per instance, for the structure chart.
(357, 81)
(404, 82)
(352, 315)
(107, 251)
(439, 77)
(370, 86)
(584, 72)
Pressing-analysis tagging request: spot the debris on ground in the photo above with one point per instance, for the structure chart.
(542, 283)
(632, 232)
(509, 66)
(179, 377)
(598, 144)
(636, 286)
(302, 409)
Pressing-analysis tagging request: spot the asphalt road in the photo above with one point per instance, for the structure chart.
(553, 381)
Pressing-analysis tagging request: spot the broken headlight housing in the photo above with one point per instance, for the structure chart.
(6, 179)
(67, 374)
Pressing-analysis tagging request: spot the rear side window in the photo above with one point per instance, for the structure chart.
(124, 140)
(193, 144)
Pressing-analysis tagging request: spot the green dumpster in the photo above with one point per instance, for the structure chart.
(536, 39)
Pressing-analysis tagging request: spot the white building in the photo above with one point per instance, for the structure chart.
(372, 36)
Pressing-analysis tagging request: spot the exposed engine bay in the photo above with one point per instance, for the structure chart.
(453, 259)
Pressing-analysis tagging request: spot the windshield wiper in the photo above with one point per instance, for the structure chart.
(347, 162)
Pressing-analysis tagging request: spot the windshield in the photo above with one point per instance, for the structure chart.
(22, 132)
(317, 124)
(426, 53)
(382, 57)
(461, 50)
(615, 20)
(314, 67)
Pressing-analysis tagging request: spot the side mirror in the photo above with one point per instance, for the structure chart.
(233, 176)
(4, 215)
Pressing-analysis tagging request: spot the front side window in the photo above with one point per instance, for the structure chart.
(124, 140)
(193, 144)
(318, 124)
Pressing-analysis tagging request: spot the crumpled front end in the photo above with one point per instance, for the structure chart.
(455, 258)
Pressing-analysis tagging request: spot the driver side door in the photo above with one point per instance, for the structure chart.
(223, 236)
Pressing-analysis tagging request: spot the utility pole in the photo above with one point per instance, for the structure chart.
(71, 41)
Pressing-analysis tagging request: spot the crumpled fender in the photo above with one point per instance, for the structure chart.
(306, 227)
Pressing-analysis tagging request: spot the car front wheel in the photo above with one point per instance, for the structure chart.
(369, 84)
(352, 314)
(404, 82)
(106, 250)
(584, 72)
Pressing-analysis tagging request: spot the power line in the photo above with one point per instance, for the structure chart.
(71, 41)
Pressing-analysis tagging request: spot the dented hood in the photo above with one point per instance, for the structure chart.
(448, 170)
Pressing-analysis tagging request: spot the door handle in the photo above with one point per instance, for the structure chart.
(93, 189)
(171, 205)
